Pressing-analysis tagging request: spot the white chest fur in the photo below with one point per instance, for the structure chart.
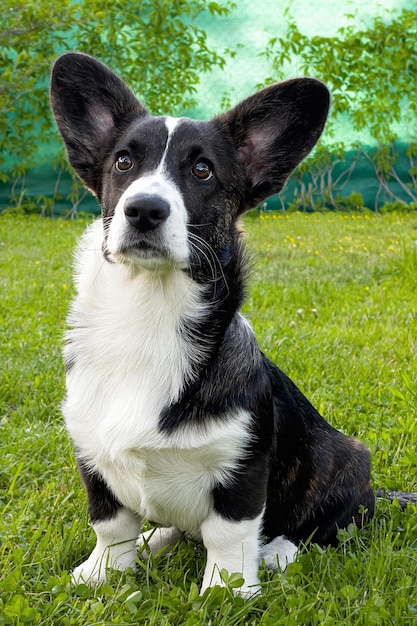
(130, 361)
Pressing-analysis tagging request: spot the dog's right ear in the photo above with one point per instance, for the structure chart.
(91, 105)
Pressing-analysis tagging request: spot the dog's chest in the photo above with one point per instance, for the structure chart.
(128, 355)
(129, 361)
(172, 485)
(112, 414)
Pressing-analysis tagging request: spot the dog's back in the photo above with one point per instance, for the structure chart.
(324, 476)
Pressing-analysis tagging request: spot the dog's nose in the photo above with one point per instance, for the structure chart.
(145, 212)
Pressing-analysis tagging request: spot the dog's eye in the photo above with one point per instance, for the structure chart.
(124, 162)
(202, 170)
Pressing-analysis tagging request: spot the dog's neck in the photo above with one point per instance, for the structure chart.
(223, 280)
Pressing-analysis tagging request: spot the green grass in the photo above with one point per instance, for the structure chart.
(333, 301)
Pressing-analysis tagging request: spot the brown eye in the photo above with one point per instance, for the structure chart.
(202, 170)
(124, 162)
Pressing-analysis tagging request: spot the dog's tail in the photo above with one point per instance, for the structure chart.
(403, 497)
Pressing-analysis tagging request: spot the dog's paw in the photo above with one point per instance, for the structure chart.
(250, 586)
(89, 574)
(278, 553)
(157, 541)
(94, 570)
(245, 591)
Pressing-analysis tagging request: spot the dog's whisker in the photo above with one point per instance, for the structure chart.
(199, 224)
(216, 262)
(199, 245)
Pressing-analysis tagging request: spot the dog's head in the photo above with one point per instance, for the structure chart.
(171, 187)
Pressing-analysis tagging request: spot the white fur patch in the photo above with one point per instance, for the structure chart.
(171, 124)
(130, 358)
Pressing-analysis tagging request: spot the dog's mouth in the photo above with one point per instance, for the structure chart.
(138, 251)
(147, 249)
(144, 249)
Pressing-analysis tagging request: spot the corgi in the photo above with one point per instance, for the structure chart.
(176, 414)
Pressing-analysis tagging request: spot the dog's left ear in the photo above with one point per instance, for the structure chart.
(274, 130)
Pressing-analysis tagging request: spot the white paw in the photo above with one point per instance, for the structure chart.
(157, 541)
(88, 573)
(278, 553)
(94, 570)
(250, 587)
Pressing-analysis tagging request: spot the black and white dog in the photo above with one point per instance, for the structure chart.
(175, 413)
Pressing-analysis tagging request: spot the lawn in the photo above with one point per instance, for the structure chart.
(333, 300)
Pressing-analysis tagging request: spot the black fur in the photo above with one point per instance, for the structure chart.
(102, 504)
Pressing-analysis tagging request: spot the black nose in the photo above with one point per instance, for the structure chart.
(145, 212)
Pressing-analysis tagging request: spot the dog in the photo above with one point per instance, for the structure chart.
(175, 413)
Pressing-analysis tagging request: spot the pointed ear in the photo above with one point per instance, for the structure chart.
(274, 130)
(91, 105)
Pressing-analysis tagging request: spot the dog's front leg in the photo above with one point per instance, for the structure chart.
(116, 528)
(115, 548)
(233, 546)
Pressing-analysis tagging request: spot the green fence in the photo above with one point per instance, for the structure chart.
(246, 30)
